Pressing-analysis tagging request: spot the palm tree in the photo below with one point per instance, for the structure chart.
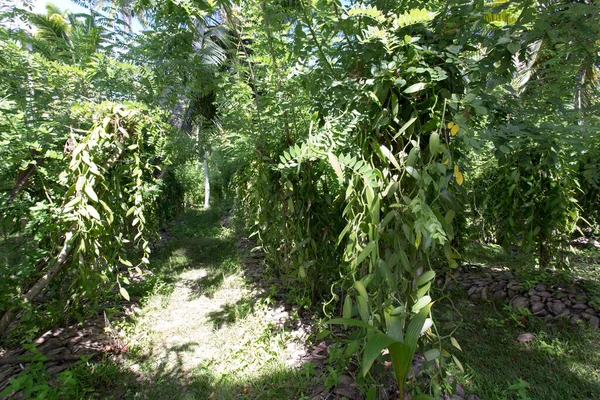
(71, 38)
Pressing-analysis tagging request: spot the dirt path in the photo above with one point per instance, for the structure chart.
(208, 324)
(212, 327)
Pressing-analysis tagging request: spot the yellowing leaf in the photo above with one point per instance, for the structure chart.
(454, 130)
(459, 178)
(450, 125)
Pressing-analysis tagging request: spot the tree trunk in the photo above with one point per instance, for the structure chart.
(206, 181)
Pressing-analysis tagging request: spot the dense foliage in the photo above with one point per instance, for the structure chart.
(360, 143)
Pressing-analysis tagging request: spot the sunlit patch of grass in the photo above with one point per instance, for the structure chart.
(201, 332)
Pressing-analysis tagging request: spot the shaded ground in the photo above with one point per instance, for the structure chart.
(205, 333)
(560, 361)
(211, 325)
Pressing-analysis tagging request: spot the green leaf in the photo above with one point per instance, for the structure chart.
(89, 190)
(73, 202)
(361, 290)
(80, 183)
(125, 262)
(366, 252)
(413, 172)
(347, 313)
(124, 293)
(422, 302)
(349, 321)
(423, 396)
(415, 326)
(431, 354)
(425, 277)
(394, 325)
(388, 154)
(458, 364)
(385, 271)
(513, 47)
(374, 97)
(375, 344)
(404, 260)
(434, 143)
(336, 165)
(363, 308)
(414, 88)
(455, 343)
(407, 125)
(505, 149)
(90, 209)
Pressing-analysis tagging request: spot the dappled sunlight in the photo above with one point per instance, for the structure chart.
(211, 331)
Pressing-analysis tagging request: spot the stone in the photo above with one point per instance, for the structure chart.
(590, 311)
(471, 291)
(512, 293)
(585, 315)
(535, 298)
(519, 302)
(56, 351)
(513, 284)
(499, 294)
(472, 397)
(565, 313)
(459, 391)
(580, 306)
(345, 380)
(525, 337)
(556, 307)
(484, 293)
(536, 305)
(541, 313)
(350, 391)
(595, 322)
(55, 370)
(544, 294)
(541, 287)
(566, 301)
(575, 319)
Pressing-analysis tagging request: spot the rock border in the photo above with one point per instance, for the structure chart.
(552, 302)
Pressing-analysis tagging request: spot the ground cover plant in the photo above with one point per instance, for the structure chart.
(371, 152)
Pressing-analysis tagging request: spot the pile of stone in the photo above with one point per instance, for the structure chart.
(543, 301)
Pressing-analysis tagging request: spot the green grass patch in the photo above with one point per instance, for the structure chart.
(562, 362)
(201, 332)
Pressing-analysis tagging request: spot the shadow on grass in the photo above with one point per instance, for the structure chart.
(169, 380)
(231, 312)
(562, 362)
(194, 241)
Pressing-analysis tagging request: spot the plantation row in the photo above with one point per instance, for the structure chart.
(361, 144)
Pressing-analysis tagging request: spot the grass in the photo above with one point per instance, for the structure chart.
(562, 362)
(202, 332)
